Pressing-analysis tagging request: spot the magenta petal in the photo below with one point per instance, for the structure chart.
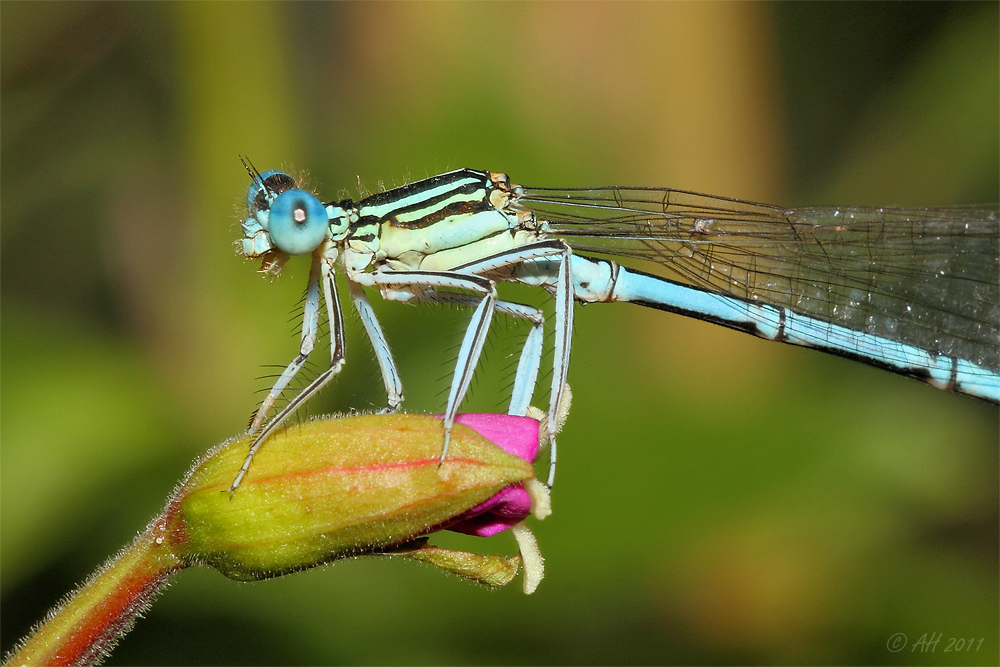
(507, 508)
(515, 435)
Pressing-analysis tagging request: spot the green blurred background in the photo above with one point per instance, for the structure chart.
(720, 499)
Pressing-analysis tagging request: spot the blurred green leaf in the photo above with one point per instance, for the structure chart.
(79, 411)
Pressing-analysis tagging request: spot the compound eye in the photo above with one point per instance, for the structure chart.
(297, 222)
(271, 182)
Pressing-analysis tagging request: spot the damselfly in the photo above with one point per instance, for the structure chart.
(913, 290)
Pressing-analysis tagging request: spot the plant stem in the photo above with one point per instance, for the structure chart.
(88, 623)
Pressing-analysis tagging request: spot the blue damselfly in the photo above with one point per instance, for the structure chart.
(913, 290)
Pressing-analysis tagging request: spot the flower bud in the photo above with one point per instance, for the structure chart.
(333, 488)
(327, 489)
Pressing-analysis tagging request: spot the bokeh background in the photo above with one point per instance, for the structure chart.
(720, 499)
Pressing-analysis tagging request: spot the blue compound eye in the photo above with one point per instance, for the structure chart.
(297, 222)
(268, 184)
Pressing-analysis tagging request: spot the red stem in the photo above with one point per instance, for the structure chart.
(88, 623)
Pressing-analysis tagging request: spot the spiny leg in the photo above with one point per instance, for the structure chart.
(390, 375)
(563, 343)
(398, 286)
(310, 328)
(335, 316)
(531, 352)
(528, 255)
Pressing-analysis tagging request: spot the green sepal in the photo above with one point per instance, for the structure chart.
(493, 571)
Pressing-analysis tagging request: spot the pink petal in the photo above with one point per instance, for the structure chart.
(507, 508)
(515, 435)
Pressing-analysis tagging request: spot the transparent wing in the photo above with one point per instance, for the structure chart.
(924, 276)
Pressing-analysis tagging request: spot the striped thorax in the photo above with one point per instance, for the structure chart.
(435, 224)
(443, 222)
